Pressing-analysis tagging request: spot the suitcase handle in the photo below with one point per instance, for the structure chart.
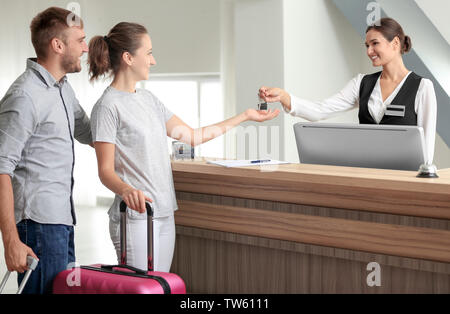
(32, 264)
(123, 208)
(123, 235)
(133, 269)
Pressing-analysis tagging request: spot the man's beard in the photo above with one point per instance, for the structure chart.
(70, 64)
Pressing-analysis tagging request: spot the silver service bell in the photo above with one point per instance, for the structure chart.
(427, 171)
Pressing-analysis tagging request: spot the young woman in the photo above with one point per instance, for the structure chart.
(393, 96)
(130, 128)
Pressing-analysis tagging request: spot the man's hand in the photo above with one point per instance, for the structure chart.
(16, 256)
(15, 251)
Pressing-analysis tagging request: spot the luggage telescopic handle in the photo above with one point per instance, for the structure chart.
(123, 208)
(31, 264)
(123, 235)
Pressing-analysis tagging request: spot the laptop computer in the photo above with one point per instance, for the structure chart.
(366, 146)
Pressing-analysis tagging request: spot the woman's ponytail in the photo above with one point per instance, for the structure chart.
(98, 58)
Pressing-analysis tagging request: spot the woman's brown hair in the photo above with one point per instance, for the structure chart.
(105, 53)
(390, 29)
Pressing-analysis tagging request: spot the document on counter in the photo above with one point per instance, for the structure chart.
(245, 163)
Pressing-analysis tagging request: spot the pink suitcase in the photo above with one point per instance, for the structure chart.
(120, 279)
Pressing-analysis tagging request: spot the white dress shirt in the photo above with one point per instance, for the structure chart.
(348, 98)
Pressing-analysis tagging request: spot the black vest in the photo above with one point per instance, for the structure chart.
(405, 97)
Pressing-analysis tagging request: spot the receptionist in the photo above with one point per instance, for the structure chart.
(394, 96)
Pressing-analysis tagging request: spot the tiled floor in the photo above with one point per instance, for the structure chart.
(92, 242)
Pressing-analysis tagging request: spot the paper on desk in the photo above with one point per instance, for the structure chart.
(244, 163)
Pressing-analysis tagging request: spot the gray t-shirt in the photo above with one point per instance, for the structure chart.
(136, 124)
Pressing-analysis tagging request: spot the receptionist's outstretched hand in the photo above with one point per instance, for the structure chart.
(261, 115)
(275, 94)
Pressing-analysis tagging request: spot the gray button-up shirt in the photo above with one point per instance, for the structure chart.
(39, 119)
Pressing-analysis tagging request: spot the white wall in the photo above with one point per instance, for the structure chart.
(185, 34)
(228, 69)
(258, 44)
(437, 11)
(322, 53)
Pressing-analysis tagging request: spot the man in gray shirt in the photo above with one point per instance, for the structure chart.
(39, 119)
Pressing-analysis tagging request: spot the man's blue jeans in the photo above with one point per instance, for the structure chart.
(54, 246)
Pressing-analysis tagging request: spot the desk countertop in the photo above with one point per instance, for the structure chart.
(377, 190)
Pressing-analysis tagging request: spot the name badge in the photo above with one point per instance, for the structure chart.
(395, 110)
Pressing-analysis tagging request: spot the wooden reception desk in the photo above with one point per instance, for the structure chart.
(310, 229)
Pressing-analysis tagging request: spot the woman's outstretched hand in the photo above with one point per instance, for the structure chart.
(261, 115)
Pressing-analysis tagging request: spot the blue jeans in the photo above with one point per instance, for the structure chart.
(54, 246)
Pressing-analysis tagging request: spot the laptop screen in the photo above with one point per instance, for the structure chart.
(366, 146)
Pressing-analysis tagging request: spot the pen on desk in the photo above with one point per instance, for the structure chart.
(260, 161)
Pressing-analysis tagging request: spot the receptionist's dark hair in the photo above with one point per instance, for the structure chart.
(390, 29)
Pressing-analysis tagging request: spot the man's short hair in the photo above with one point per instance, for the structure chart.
(49, 24)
